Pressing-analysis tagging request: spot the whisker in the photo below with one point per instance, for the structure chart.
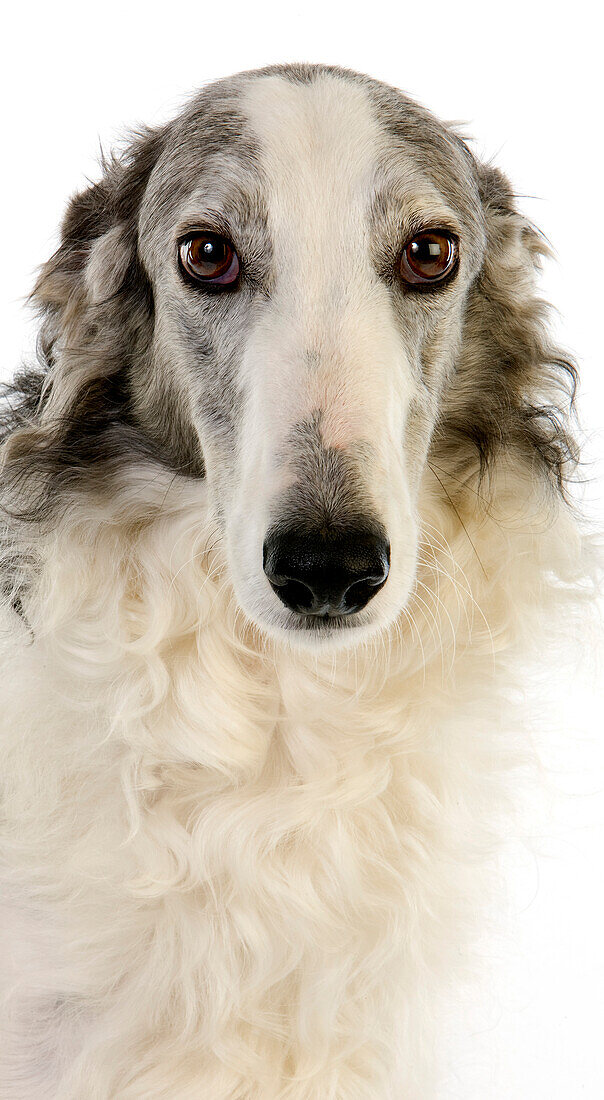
(459, 518)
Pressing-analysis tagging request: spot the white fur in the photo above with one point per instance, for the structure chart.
(239, 869)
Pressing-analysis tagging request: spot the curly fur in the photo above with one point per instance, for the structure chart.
(233, 867)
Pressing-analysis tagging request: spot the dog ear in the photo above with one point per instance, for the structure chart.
(512, 388)
(94, 280)
(96, 304)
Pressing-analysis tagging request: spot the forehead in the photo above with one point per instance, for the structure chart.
(296, 137)
(321, 133)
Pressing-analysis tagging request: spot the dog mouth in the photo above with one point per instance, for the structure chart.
(324, 626)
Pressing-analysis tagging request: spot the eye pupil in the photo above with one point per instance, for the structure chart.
(428, 257)
(207, 258)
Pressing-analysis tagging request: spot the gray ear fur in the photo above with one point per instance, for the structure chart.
(513, 388)
(108, 263)
(98, 248)
(96, 304)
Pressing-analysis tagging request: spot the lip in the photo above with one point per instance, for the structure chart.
(323, 624)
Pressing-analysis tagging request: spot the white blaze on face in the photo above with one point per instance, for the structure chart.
(326, 342)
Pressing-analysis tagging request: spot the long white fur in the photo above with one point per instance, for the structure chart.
(240, 868)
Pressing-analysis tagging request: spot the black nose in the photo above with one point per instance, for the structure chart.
(326, 574)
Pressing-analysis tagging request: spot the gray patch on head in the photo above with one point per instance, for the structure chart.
(208, 176)
(440, 152)
(211, 132)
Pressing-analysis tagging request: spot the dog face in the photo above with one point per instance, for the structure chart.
(296, 274)
(313, 372)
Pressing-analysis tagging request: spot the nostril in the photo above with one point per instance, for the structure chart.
(379, 578)
(361, 591)
(295, 594)
(326, 574)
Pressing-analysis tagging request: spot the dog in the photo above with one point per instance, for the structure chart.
(286, 512)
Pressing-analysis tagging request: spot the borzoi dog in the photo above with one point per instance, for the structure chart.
(282, 504)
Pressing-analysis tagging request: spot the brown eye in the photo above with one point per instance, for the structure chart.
(209, 258)
(428, 257)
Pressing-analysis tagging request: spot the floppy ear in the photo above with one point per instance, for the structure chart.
(94, 282)
(96, 304)
(512, 388)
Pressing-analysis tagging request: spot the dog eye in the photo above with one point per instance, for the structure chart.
(428, 257)
(209, 258)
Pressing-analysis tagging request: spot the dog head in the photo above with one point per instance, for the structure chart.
(298, 292)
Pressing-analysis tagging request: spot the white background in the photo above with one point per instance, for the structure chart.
(526, 80)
